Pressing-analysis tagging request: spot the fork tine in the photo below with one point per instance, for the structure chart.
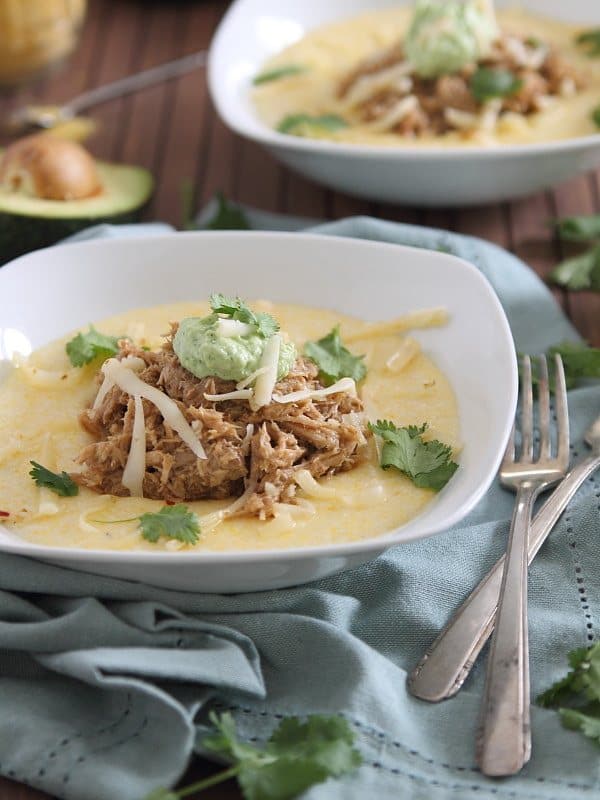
(509, 453)
(544, 409)
(562, 412)
(526, 412)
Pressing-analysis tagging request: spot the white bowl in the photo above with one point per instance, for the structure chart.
(254, 30)
(47, 293)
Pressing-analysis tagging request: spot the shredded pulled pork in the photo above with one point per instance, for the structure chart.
(250, 453)
(440, 105)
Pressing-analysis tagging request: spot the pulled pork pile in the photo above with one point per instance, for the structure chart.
(250, 453)
(413, 106)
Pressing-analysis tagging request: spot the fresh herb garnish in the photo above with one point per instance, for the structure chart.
(87, 347)
(579, 360)
(298, 755)
(62, 484)
(172, 522)
(234, 308)
(227, 217)
(533, 41)
(334, 360)
(576, 697)
(579, 272)
(277, 73)
(426, 463)
(579, 229)
(595, 115)
(487, 83)
(591, 41)
(305, 125)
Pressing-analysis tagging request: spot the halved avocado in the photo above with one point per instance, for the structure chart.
(51, 188)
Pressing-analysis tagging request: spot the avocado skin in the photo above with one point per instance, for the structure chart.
(20, 234)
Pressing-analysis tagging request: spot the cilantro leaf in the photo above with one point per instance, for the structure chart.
(305, 125)
(579, 229)
(285, 71)
(86, 347)
(62, 484)
(487, 83)
(591, 41)
(579, 360)
(173, 522)
(297, 756)
(579, 272)
(334, 360)
(234, 308)
(227, 217)
(426, 463)
(595, 115)
(577, 695)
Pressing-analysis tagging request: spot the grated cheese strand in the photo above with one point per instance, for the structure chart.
(238, 394)
(265, 383)
(423, 318)
(233, 327)
(135, 468)
(343, 385)
(122, 376)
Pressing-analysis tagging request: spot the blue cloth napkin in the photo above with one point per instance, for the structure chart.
(105, 684)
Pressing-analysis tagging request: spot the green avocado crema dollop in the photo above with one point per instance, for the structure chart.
(203, 351)
(445, 35)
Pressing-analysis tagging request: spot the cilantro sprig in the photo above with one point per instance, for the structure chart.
(307, 125)
(298, 755)
(172, 522)
(60, 483)
(581, 271)
(87, 347)
(427, 463)
(576, 697)
(487, 83)
(580, 362)
(234, 308)
(334, 360)
(275, 74)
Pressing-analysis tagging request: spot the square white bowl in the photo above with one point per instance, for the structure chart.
(254, 30)
(47, 293)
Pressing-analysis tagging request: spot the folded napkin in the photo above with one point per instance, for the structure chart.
(105, 684)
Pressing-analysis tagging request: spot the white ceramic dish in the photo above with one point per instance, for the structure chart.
(254, 30)
(475, 350)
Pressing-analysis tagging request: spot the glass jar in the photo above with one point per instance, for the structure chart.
(35, 35)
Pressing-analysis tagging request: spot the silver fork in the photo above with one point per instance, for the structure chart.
(504, 737)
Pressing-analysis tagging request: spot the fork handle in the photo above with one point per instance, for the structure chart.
(449, 659)
(504, 737)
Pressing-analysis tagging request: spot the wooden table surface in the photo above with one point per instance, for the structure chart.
(173, 130)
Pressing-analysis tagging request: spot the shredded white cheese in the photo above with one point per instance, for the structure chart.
(135, 468)
(395, 114)
(119, 373)
(265, 383)
(408, 350)
(343, 385)
(243, 384)
(366, 86)
(233, 327)
(423, 318)
(238, 394)
(310, 487)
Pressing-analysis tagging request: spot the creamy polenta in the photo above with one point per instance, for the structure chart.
(42, 398)
(313, 69)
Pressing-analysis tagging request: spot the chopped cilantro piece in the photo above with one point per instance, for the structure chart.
(277, 73)
(62, 484)
(334, 360)
(487, 83)
(298, 755)
(173, 522)
(596, 116)
(234, 308)
(305, 125)
(579, 272)
(579, 360)
(87, 347)
(426, 463)
(579, 229)
(227, 217)
(577, 696)
(591, 41)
